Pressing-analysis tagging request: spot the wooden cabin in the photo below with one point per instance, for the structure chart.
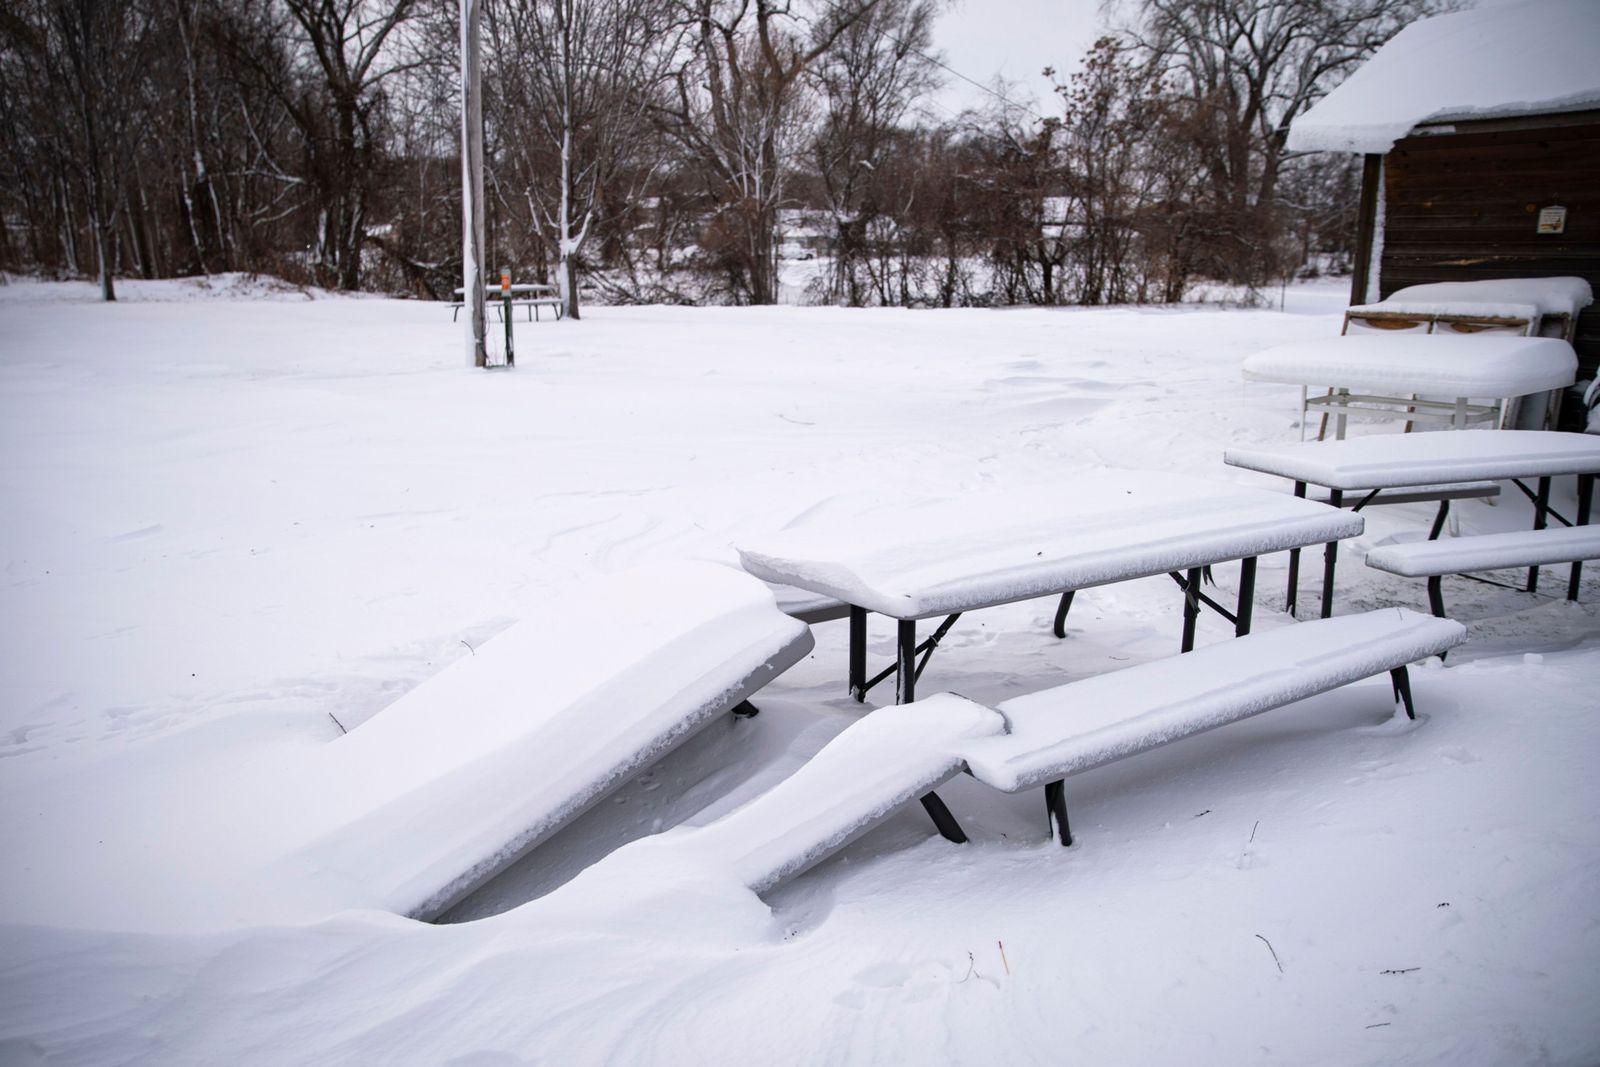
(1480, 132)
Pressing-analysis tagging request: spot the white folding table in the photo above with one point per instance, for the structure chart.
(1396, 373)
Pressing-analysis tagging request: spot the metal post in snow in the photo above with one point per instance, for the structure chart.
(505, 310)
(472, 181)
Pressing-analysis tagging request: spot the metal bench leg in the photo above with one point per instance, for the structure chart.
(745, 710)
(1247, 596)
(1065, 606)
(1293, 593)
(858, 653)
(1055, 803)
(1330, 559)
(1541, 507)
(1436, 595)
(1191, 608)
(949, 829)
(1585, 503)
(1400, 680)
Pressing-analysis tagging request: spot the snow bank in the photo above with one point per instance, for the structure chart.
(1489, 62)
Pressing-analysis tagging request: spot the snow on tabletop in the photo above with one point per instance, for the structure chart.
(1562, 295)
(988, 548)
(1437, 364)
(1491, 61)
(1427, 308)
(890, 757)
(507, 743)
(1382, 461)
(1487, 552)
(1106, 717)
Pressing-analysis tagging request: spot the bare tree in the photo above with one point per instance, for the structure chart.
(1245, 69)
(868, 82)
(83, 65)
(574, 78)
(735, 108)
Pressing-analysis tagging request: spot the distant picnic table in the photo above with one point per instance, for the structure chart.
(531, 295)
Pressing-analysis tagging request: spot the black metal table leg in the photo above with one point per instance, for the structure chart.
(1191, 607)
(1247, 596)
(905, 679)
(1541, 508)
(1438, 520)
(1401, 681)
(1293, 593)
(858, 653)
(1436, 594)
(1055, 804)
(1585, 503)
(1330, 559)
(1061, 612)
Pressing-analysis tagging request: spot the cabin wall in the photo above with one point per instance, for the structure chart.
(1464, 205)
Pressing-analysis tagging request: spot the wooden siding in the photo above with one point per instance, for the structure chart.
(1464, 206)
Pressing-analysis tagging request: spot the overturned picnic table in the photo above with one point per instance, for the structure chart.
(1387, 463)
(1398, 373)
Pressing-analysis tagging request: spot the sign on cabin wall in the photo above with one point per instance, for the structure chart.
(1552, 220)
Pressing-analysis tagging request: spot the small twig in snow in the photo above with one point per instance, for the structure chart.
(1206, 812)
(337, 723)
(470, 648)
(1253, 830)
(1274, 952)
(1401, 970)
(972, 970)
(1003, 962)
(1374, 1026)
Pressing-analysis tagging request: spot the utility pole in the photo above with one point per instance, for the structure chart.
(472, 178)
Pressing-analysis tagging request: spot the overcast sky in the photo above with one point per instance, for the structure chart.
(1016, 39)
(1019, 38)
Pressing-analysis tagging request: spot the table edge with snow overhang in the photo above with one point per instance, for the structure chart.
(947, 556)
(1375, 463)
(1399, 373)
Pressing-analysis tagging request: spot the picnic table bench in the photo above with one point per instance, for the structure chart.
(886, 759)
(531, 295)
(1375, 465)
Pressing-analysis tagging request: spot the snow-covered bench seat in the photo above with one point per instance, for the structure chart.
(1487, 552)
(897, 753)
(1108, 717)
(467, 772)
(857, 780)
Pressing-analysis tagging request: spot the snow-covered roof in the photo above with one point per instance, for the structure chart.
(1490, 62)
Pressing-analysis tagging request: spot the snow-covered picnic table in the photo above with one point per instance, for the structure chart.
(1370, 372)
(1380, 462)
(949, 556)
(531, 295)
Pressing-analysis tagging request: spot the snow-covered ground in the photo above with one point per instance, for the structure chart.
(238, 518)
